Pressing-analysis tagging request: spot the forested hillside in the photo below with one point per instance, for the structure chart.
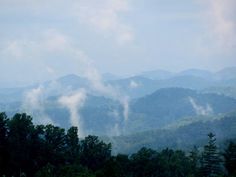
(100, 114)
(47, 151)
(183, 135)
(166, 106)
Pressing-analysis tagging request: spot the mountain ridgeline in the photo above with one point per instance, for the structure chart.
(157, 110)
(160, 104)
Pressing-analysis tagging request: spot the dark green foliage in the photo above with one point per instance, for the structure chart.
(94, 153)
(174, 163)
(194, 158)
(74, 171)
(72, 144)
(3, 143)
(116, 166)
(230, 158)
(19, 140)
(211, 162)
(142, 164)
(49, 151)
(54, 143)
(46, 171)
(167, 163)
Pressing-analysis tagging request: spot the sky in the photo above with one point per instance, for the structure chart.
(43, 40)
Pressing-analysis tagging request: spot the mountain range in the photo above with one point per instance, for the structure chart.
(150, 103)
(180, 137)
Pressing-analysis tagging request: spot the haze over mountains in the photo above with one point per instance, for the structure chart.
(184, 137)
(156, 101)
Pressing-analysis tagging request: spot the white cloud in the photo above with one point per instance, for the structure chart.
(105, 17)
(107, 90)
(48, 41)
(102, 16)
(53, 44)
(33, 97)
(54, 41)
(50, 70)
(125, 103)
(74, 103)
(133, 84)
(34, 103)
(14, 48)
(199, 109)
(221, 19)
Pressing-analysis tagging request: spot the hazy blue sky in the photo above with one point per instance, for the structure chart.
(44, 39)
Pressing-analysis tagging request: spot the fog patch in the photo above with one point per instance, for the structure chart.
(74, 102)
(33, 103)
(133, 84)
(199, 109)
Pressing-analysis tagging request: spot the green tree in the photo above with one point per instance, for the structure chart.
(173, 164)
(46, 171)
(123, 164)
(54, 148)
(74, 171)
(194, 158)
(94, 153)
(230, 158)
(211, 161)
(37, 144)
(19, 137)
(116, 166)
(72, 144)
(142, 162)
(3, 143)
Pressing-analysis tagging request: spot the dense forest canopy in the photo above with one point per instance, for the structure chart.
(48, 150)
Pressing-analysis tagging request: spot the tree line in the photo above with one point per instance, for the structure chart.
(50, 151)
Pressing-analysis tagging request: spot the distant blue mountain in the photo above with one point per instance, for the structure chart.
(207, 75)
(153, 103)
(110, 77)
(157, 74)
(184, 137)
(166, 106)
(140, 85)
(136, 86)
(226, 74)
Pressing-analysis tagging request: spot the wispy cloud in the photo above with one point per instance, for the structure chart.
(46, 54)
(54, 44)
(74, 103)
(34, 104)
(49, 40)
(14, 48)
(199, 109)
(107, 90)
(54, 41)
(221, 20)
(105, 17)
(133, 84)
(102, 16)
(125, 103)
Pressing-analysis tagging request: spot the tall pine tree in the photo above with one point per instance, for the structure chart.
(211, 162)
